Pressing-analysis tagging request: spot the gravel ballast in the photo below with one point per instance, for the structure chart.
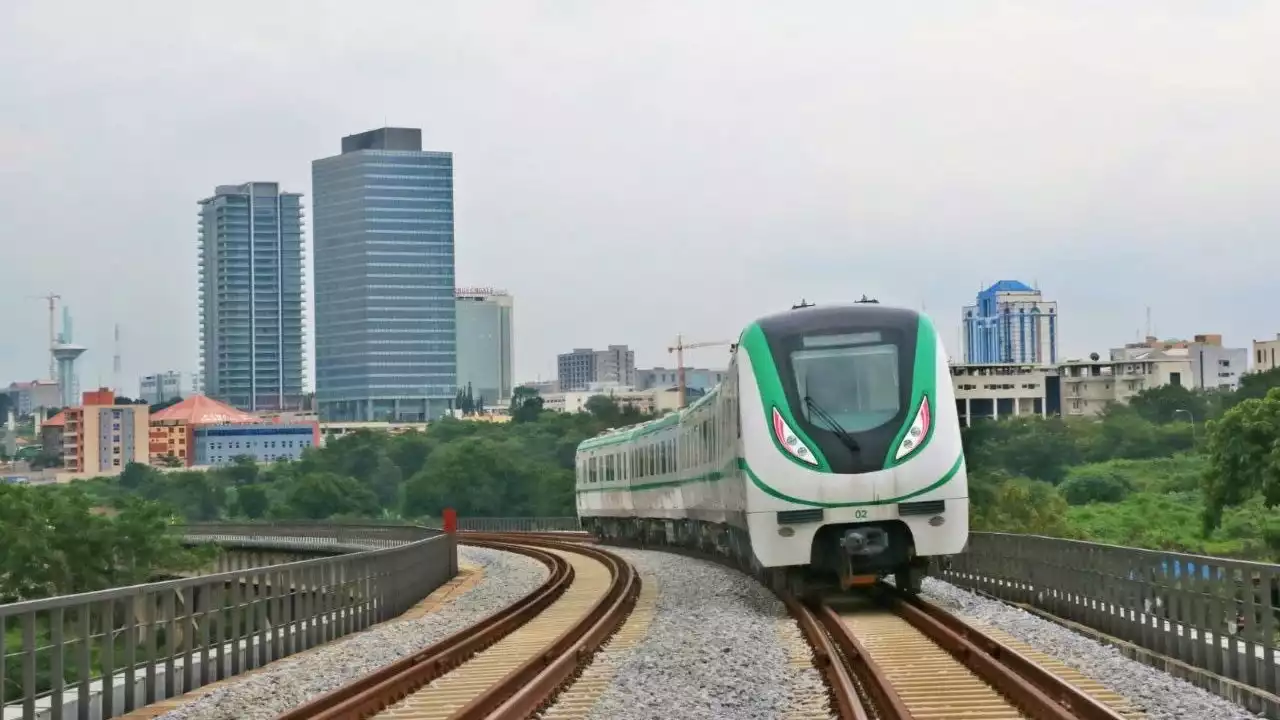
(292, 681)
(1159, 694)
(712, 651)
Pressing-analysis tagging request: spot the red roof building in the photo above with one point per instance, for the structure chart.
(172, 427)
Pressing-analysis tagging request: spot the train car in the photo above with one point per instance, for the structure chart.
(830, 454)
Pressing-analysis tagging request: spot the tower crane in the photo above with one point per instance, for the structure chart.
(53, 299)
(679, 349)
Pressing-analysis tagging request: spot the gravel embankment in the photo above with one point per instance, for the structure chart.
(712, 650)
(290, 682)
(1160, 695)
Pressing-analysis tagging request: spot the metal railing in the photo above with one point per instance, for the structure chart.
(520, 524)
(105, 653)
(1215, 614)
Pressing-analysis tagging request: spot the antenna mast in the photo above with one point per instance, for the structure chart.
(52, 299)
(115, 363)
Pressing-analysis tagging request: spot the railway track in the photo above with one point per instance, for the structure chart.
(512, 663)
(896, 658)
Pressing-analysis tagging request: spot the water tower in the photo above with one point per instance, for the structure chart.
(65, 354)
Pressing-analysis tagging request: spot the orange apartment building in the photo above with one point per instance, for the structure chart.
(101, 437)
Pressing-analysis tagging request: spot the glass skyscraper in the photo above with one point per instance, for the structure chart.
(485, 358)
(251, 296)
(385, 316)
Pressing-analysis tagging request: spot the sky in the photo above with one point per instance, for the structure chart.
(630, 171)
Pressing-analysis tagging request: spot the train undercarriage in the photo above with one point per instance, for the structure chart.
(845, 558)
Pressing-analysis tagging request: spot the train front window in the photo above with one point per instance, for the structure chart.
(852, 379)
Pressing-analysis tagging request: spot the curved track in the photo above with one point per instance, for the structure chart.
(895, 657)
(513, 662)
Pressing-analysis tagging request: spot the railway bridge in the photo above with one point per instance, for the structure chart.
(283, 588)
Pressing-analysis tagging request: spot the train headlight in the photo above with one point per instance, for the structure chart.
(791, 442)
(916, 434)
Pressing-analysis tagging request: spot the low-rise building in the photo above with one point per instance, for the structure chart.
(1089, 385)
(1213, 366)
(27, 397)
(100, 437)
(216, 445)
(542, 387)
(161, 387)
(1266, 354)
(695, 379)
(653, 400)
(1000, 390)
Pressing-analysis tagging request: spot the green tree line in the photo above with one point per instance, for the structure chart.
(1174, 469)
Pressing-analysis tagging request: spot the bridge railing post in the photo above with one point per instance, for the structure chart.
(451, 529)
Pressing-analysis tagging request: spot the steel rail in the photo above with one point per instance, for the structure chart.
(1069, 701)
(826, 657)
(535, 684)
(378, 690)
(875, 682)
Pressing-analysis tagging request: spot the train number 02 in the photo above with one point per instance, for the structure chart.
(860, 514)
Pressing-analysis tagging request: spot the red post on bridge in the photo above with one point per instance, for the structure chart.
(451, 529)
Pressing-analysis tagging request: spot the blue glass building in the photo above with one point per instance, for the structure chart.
(1011, 323)
(384, 279)
(251, 338)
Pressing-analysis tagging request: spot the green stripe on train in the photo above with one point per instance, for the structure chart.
(742, 465)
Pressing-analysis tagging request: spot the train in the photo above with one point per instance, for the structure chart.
(829, 456)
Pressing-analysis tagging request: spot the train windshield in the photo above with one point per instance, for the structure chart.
(851, 379)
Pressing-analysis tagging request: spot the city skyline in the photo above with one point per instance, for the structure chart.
(602, 184)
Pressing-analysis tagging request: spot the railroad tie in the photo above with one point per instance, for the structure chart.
(580, 698)
(1085, 684)
(449, 693)
(931, 683)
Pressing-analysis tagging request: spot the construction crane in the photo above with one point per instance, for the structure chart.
(679, 349)
(53, 339)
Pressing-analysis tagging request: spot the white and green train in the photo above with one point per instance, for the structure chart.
(830, 453)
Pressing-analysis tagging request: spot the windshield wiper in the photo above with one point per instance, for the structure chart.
(835, 427)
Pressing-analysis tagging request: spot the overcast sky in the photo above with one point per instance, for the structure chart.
(633, 170)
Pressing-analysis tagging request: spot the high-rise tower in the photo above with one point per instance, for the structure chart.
(385, 316)
(1011, 323)
(251, 296)
(485, 357)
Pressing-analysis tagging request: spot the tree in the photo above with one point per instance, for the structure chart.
(252, 501)
(243, 470)
(604, 408)
(1019, 505)
(526, 405)
(1091, 487)
(1244, 457)
(135, 475)
(321, 495)
(1170, 403)
(385, 482)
